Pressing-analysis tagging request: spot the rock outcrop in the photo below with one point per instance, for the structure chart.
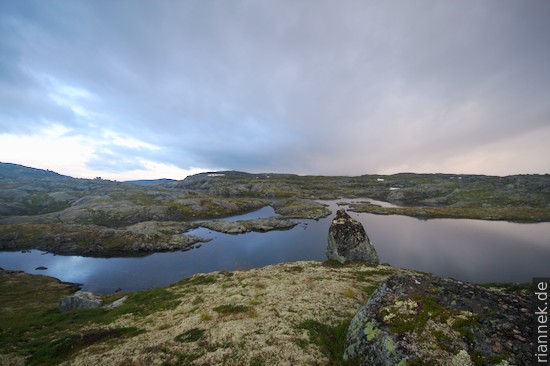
(348, 241)
(428, 320)
(79, 300)
(245, 226)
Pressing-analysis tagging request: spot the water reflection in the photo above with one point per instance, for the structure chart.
(469, 250)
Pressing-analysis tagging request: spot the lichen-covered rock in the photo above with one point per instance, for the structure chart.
(428, 320)
(348, 241)
(79, 300)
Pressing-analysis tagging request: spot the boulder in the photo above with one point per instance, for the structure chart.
(348, 241)
(429, 320)
(79, 300)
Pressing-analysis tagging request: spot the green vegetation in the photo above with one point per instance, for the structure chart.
(192, 335)
(44, 210)
(521, 287)
(330, 339)
(517, 214)
(229, 309)
(58, 350)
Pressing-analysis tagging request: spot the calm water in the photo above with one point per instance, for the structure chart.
(470, 250)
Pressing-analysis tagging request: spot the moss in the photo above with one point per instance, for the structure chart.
(349, 293)
(510, 286)
(404, 317)
(333, 263)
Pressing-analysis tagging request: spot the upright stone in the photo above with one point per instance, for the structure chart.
(348, 241)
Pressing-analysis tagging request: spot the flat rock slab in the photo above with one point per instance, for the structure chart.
(244, 226)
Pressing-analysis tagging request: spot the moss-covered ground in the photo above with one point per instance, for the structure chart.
(294, 313)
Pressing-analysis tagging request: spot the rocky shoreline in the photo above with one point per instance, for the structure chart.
(92, 240)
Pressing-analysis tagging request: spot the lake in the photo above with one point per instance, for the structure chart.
(469, 250)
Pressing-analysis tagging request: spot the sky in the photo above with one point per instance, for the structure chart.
(162, 89)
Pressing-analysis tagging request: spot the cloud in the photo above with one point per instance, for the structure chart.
(336, 88)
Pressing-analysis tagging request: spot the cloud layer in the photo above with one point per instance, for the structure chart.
(324, 87)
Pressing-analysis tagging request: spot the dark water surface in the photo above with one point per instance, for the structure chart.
(470, 250)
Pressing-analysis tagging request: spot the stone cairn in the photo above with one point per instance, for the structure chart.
(348, 241)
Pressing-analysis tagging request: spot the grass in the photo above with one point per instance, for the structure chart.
(58, 350)
(229, 309)
(195, 280)
(349, 293)
(331, 340)
(142, 303)
(32, 325)
(191, 335)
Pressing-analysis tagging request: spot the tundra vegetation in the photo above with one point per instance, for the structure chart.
(285, 314)
(45, 210)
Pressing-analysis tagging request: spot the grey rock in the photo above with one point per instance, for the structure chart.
(244, 226)
(79, 300)
(116, 303)
(348, 241)
(440, 321)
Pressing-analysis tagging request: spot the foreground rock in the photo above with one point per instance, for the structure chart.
(348, 241)
(244, 226)
(79, 300)
(424, 319)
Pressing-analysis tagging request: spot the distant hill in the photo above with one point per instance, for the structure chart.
(9, 170)
(152, 181)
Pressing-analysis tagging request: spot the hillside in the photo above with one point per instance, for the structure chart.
(45, 210)
(287, 314)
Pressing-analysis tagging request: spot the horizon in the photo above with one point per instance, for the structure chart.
(266, 173)
(135, 90)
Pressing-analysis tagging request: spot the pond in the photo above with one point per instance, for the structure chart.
(469, 250)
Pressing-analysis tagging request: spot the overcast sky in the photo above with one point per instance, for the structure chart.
(151, 89)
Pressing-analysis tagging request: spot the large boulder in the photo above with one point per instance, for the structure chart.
(79, 300)
(348, 241)
(429, 320)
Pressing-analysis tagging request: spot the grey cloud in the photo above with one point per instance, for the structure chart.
(310, 87)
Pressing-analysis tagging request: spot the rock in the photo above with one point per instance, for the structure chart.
(347, 241)
(425, 319)
(244, 226)
(116, 303)
(79, 300)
